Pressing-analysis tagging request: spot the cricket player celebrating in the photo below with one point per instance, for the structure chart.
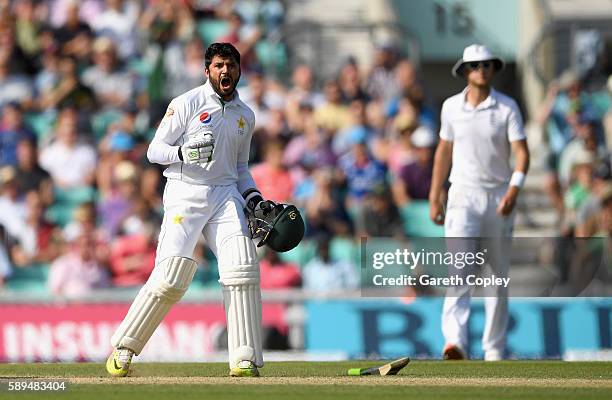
(480, 127)
(204, 139)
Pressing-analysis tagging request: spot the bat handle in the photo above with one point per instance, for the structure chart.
(354, 372)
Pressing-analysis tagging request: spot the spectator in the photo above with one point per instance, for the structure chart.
(379, 216)
(302, 94)
(13, 208)
(357, 129)
(118, 22)
(183, 66)
(255, 97)
(586, 139)
(383, 72)
(5, 265)
(29, 175)
(83, 219)
(243, 37)
(277, 274)
(361, 172)
(325, 213)
(588, 215)
(14, 87)
(79, 271)
(111, 85)
(400, 151)
(133, 257)
(414, 179)
(350, 82)
(321, 274)
(580, 188)
(271, 176)
(38, 240)
(117, 205)
(12, 131)
(67, 90)
(74, 35)
(332, 115)
(560, 112)
(70, 162)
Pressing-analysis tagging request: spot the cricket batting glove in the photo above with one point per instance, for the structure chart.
(258, 211)
(198, 149)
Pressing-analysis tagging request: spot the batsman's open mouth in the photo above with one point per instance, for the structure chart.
(226, 83)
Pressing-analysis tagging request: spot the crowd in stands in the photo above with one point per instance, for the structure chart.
(83, 85)
(578, 126)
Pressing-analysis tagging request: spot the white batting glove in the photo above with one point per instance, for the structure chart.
(198, 149)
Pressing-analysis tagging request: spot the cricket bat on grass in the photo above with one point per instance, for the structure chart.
(391, 368)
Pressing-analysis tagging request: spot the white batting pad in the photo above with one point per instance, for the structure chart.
(243, 311)
(239, 277)
(166, 286)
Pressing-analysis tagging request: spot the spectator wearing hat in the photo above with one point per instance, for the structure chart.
(12, 130)
(414, 179)
(70, 161)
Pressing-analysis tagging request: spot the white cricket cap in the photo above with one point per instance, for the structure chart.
(474, 53)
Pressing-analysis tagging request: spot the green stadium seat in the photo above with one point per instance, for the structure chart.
(101, 121)
(344, 249)
(303, 253)
(211, 29)
(41, 123)
(272, 56)
(415, 217)
(31, 279)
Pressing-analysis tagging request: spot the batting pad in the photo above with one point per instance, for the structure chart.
(165, 287)
(239, 277)
(243, 311)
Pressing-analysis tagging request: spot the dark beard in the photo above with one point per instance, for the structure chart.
(216, 85)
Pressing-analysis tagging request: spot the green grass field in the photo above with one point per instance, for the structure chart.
(325, 380)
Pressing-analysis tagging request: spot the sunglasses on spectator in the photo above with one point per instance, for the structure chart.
(480, 64)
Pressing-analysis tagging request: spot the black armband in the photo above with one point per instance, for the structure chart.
(180, 153)
(252, 198)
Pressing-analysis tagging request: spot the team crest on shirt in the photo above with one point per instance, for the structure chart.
(241, 125)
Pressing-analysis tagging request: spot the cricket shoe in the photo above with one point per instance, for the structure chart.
(453, 352)
(118, 363)
(244, 369)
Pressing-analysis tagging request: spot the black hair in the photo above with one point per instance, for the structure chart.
(223, 50)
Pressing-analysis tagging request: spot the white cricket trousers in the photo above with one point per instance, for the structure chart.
(471, 213)
(192, 210)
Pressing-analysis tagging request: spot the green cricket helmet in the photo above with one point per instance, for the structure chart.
(285, 230)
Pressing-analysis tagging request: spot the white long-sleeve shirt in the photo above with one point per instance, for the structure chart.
(231, 124)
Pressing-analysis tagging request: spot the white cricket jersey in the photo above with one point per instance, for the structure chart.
(481, 138)
(231, 124)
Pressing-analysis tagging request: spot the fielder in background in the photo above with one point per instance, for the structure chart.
(480, 127)
(204, 140)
